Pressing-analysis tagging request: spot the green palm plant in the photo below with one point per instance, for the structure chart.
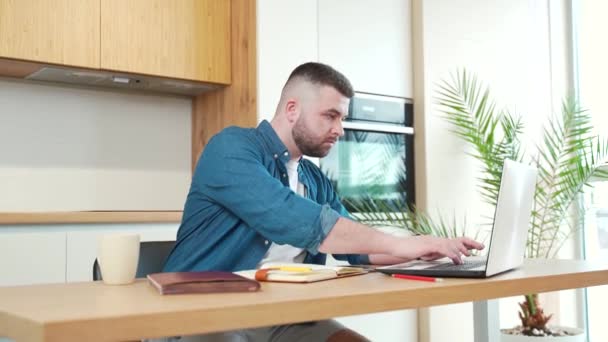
(567, 158)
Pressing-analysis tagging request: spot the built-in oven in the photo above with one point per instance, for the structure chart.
(374, 160)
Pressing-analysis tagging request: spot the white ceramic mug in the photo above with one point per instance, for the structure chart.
(118, 256)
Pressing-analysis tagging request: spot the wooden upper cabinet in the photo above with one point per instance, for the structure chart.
(51, 31)
(185, 39)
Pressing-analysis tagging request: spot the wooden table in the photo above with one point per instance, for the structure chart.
(93, 311)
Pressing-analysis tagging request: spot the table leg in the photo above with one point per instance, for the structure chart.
(486, 321)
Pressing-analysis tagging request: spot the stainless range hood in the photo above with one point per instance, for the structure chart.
(110, 79)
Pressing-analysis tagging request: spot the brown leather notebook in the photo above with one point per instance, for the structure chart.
(201, 282)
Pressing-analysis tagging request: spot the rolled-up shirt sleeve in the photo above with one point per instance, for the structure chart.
(231, 173)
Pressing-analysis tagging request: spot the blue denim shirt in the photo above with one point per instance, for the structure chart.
(240, 202)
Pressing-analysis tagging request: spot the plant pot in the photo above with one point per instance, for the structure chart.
(575, 335)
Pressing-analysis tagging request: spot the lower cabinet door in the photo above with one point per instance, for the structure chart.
(32, 257)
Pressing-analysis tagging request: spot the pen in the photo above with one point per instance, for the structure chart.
(415, 277)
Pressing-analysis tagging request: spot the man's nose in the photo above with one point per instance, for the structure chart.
(338, 128)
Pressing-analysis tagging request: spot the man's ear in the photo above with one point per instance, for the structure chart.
(292, 109)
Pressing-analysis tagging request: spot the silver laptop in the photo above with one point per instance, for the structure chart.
(509, 232)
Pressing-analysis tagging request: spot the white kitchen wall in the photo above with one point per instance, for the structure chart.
(507, 45)
(70, 148)
(288, 35)
(67, 148)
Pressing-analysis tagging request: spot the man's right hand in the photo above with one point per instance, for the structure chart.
(348, 236)
(430, 248)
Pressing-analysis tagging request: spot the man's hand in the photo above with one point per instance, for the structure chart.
(430, 248)
(348, 236)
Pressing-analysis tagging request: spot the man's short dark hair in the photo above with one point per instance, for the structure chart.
(323, 74)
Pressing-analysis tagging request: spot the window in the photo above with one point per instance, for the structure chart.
(596, 246)
(592, 59)
(591, 75)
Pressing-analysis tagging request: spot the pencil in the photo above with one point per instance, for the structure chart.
(415, 277)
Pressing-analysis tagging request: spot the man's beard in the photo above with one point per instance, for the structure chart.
(305, 142)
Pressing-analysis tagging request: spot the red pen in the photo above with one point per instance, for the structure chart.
(415, 277)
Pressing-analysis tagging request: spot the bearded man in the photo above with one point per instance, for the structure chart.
(255, 199)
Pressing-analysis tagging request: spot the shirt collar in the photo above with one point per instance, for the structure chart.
(273, 142)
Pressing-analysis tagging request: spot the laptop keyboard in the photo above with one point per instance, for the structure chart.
(466, 265)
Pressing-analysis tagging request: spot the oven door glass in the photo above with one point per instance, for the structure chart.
(368, 166)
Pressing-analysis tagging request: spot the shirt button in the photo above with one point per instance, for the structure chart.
(286, 154)
(284, 175)
(276, 156)
(266, 242)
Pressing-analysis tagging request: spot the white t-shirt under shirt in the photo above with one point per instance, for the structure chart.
(287, 253)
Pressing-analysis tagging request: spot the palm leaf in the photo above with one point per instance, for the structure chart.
(567, 158)
(467, 105)
(396, 213)
(567, 161)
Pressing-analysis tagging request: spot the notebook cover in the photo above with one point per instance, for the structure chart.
(201, 282)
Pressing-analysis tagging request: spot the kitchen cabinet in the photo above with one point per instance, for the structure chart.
(52, 31)
(186, 39)
(370, 42)
(278, 55)
(29, 257)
